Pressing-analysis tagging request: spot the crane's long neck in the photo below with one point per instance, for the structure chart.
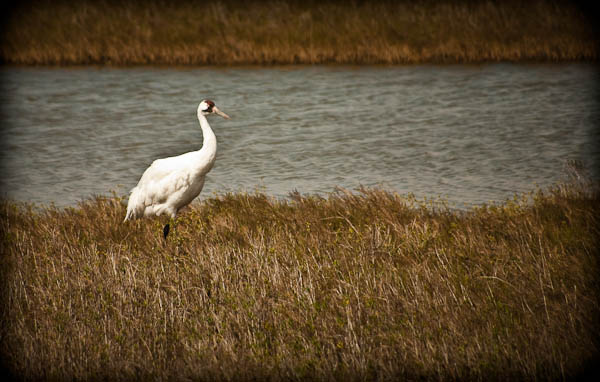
(209, 145)
(209, 139)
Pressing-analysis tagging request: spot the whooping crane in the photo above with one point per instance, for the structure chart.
(170, 184)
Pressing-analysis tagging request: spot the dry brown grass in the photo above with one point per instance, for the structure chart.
(286, 32)
(362, 286)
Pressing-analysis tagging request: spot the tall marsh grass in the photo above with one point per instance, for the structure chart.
(294, 32)
(355, 286)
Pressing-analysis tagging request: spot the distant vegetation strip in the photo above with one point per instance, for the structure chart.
(357, 286)
(294, 32)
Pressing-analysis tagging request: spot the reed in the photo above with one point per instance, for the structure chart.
(355, 286)
(294, 32)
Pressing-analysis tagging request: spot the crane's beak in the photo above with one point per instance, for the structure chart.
(216, 110)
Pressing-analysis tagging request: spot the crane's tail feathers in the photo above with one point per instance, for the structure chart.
(135, 205)
(129, 216)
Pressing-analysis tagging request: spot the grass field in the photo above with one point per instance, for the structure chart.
(294, 32)
(368, 285)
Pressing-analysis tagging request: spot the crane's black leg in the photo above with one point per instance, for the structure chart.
(166, 231)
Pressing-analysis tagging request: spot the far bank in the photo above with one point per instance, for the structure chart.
(294, 32)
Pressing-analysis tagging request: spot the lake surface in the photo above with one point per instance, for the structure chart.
(468, 133)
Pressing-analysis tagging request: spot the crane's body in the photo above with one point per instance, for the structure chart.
(170, 184)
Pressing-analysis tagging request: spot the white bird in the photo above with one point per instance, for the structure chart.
(170, 184)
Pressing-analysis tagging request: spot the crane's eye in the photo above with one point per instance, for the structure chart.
(209, 106)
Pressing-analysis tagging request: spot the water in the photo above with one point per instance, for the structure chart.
(470, 134)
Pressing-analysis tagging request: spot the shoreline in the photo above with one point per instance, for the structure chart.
(291, 66)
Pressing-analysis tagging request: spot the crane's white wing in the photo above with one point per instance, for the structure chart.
(166, 186)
